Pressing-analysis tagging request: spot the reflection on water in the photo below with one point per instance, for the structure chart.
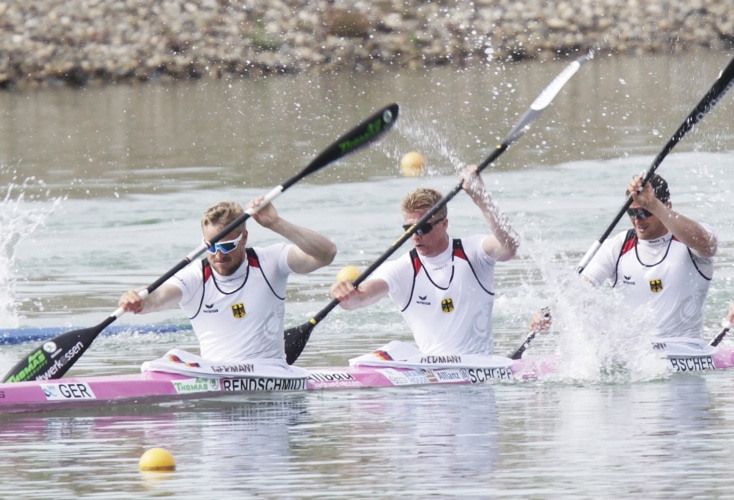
(103, 190)
(650, 439)
(315, 443)
(248, 437)
(645, 440)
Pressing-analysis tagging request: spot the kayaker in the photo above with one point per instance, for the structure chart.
(235, 296)
(444, 287)
(665, 263)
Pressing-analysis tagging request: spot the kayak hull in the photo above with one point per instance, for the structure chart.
(158, 386)
(153, 387)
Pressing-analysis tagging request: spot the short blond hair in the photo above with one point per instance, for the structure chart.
(221, 214)
(422, 200)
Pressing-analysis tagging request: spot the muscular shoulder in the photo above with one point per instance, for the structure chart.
(274, 257)
(474, 249)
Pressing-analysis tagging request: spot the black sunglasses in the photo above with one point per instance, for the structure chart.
(424, 228)
(638, 213)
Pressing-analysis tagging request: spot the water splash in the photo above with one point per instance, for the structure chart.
(22, 211)
(425, 136)
(596, 338)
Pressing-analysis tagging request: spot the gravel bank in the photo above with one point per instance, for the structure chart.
(83, 42)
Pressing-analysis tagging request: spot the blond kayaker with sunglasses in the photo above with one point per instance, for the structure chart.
(444, 287)
(235, 296)
(664, 264)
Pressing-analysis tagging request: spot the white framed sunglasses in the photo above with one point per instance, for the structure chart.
(225, 246)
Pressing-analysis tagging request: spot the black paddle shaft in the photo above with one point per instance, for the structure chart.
(54, 358)
(297, 337)
(717, 340)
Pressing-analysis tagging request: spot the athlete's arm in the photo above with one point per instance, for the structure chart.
(502, 244)
(166, 296)
(311, 250)
(689, 232)
(368, 292)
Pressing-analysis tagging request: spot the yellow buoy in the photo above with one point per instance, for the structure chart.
(348, 273)
(412, 164)
(157, 459)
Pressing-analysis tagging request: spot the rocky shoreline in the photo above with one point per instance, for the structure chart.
(86, 42)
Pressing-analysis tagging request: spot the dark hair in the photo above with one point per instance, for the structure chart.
(659, 187)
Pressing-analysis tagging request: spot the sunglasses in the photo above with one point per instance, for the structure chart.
(424, 228)
(225, 246)
(638, 213)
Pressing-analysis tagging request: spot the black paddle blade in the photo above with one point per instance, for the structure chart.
(360, 136)
(296, 339)
(52, 359)
(523, 347)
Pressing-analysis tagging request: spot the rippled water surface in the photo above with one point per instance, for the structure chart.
(102, 190)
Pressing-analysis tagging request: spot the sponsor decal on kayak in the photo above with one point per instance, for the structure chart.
(407, 377)
(65, 391)
(190, 385)
(329, 376)
(263, 384)
(479, 375)
(430, 376)
(451, 375)
(332, 379)
(697, 364)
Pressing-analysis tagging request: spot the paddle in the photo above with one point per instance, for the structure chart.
(717, 340)
(533, 332)
(53, 358)
(722, 84)
(297, 337)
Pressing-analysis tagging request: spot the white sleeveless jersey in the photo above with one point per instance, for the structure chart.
(663, 275)
(446, 300)
(240, 316)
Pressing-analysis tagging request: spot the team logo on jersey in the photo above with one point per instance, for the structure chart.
(238, 310)
(447, 305)
(423, 300)
(627, 280)
(656, 286)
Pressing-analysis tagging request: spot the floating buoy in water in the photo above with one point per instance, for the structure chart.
(348, 273)
(157, 459)
(412, 164)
